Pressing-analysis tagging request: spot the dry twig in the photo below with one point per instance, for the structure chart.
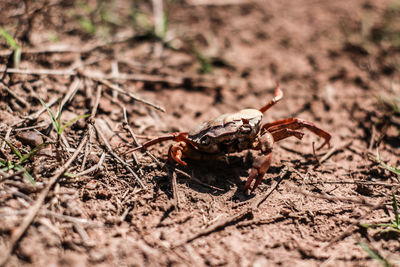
(6, 177)
(129, 129)
(34, 116)
(335, 149)
(360, 182)
(174, 189)
(95, 167)
(218, 226)
(275, 185)
(126, 165)
(358, 200)
(131, 95)
(13, 94)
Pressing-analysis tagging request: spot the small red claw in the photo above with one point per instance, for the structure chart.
(252, 175)
(175, 154)
(260, 167)
(178, 160)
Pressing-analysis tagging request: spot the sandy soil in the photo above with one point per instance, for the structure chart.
(338, 64)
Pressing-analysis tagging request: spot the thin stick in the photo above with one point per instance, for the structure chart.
(141, 77)
(97, 101)
(2, 174)
(217, 226)
(315, 154)
(85, 154)
(40, 71)
(158, 17)
(126, 212)
(7, 137)
(14, 191)
(55, 215)
(126, 165)
(70, 94)
(19, 232)
(31, 127)
(335, 149)
(131, 95)
(88, 145)
(6, 177)
(13, 94)
(356, 182)
(359, 200)
(95, 167)
(36, 115)
(372, 140)
(175, 190)
(127, 127)
(275, 185)
(263, 221)
(83, 234)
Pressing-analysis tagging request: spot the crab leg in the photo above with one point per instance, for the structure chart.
(261, 164)
(179, 136)
(285, 133)
(258, 170)
(186, 150)
(278, 96)
(296, 124)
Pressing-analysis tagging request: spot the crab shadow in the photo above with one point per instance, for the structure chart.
(217, 177)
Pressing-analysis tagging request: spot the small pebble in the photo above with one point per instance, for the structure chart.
(30, 138)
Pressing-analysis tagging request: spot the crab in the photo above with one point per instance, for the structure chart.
(235, 132)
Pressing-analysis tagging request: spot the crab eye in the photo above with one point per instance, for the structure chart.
(245, 129)
(205, 140)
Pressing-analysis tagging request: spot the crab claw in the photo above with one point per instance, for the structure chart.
(175, 153)
(260, 167)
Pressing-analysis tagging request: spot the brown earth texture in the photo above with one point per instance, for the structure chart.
(82, 83)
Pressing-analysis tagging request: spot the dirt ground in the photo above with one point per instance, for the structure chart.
(88, 203)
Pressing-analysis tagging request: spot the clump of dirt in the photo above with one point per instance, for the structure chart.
(84, 82)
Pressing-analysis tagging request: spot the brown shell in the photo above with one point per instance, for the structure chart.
(228, 133)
